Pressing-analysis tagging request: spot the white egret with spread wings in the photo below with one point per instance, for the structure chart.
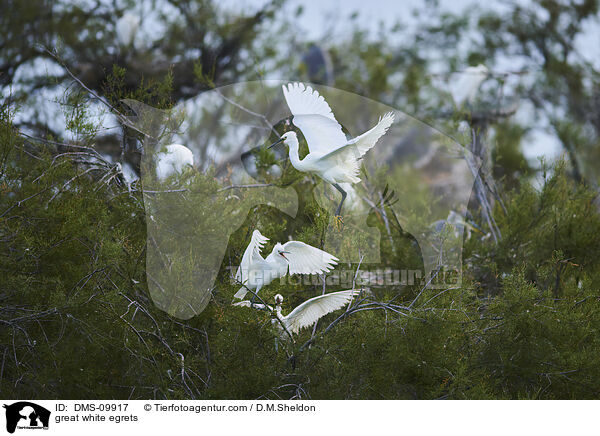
(296, 256)
(331, 156)
(307, 313)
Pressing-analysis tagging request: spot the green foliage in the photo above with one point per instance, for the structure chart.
(556, 228)
(153, 92)
(508, 160)
(76, 306)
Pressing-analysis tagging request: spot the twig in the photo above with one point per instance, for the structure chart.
(255, 185)
(116, 112)
(248, 111)
(423, 289)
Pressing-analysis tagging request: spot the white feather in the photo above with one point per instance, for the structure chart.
(306, 259)
(309, 312)
(303, 100)
(346, 157)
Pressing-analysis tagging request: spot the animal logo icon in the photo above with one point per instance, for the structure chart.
(25, 414)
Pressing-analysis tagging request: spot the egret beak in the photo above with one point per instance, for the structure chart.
(275, 143)
(282, 253)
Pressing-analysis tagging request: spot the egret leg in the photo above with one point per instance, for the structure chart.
(252, 300)
(339, 208)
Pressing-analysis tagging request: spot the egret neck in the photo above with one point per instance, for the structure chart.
(292, 143)
(278, 260)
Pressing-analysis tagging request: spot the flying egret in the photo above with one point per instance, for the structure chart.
(466, 87)
(331, 156)
(174, 160)
(307, 313)
(255, 272)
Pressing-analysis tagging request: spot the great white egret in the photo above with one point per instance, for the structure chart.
(174, 160)
(300, 258)
(127, 27)
(331, 156)
(307, 313)
(466, 87)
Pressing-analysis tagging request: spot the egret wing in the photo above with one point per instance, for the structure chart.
(252, 254)
(367, 140)
(306, 259)
(348, 154)
(358, 146)
(322, 135)
(313, 116)
(312, 310)
(303, 100)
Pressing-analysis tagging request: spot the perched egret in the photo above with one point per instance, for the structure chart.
(174, 160)
(466, 87)
(255, 272)
(307, 313)
(127, 27)
(331, 156)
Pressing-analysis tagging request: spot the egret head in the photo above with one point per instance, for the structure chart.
(479, 69)
(288, 138)
(278, 299)
(280, 251)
